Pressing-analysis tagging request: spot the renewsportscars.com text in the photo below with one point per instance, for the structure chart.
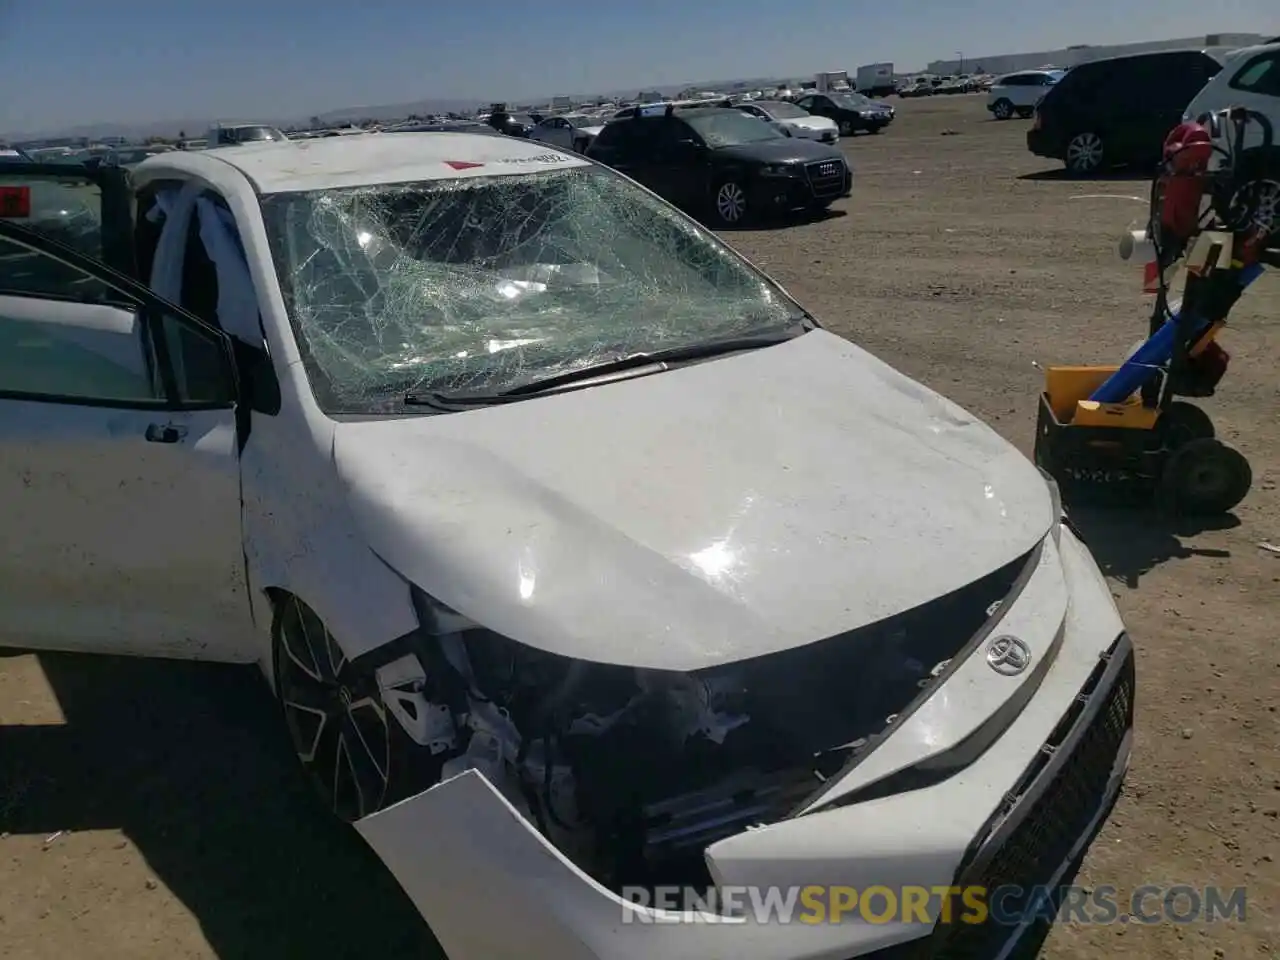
(1007, 905)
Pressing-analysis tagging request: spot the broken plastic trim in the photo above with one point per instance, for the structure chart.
(935, 769)
(939, 768)
(592, 724)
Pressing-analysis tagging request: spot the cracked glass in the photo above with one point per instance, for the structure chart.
(488, 282)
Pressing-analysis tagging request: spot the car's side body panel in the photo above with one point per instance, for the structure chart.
(116, 544)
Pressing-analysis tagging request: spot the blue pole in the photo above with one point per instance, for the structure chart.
(1153, 355)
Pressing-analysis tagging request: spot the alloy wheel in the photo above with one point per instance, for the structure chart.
(1003, 110)
(731, 203)
(1084, 153)
(1261, 198)
(335, 715)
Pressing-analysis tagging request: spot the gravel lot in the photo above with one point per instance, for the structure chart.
(150, 810)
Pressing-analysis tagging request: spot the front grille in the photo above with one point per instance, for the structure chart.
(826, 178)
(1034, 849)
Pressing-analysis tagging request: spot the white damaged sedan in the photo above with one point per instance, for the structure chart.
(586, 566)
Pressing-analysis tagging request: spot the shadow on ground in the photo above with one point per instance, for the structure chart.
(1063, 174)
(779, 221)
(191, 763)
(1128, 543)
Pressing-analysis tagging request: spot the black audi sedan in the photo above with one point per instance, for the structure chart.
(722, 163)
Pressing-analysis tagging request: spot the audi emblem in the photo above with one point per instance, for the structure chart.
(1008, 656)
(828, 170)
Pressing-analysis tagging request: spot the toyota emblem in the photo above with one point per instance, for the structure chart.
(1008, 655)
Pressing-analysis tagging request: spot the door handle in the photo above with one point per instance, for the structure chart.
(165, 433)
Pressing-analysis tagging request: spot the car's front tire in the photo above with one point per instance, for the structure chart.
(729, 204)
(846, 128)
(1085, 153)
(334, 713)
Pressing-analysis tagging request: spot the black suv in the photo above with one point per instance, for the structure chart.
(723, 162)
(1118, 111)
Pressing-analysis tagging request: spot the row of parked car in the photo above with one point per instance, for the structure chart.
(934, 86)
(825, 117)
(1118, 111)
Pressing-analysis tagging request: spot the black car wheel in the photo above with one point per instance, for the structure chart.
(334, 713)
(846, 128)
(1085, 153)
(730, 203)
(1002, 109)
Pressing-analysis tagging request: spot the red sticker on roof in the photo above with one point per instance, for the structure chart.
(15, 203)
(462, 164)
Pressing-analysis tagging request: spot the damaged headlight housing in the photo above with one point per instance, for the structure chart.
(555, 735)
(632, 772)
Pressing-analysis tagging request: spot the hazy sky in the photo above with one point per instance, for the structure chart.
(73, 61)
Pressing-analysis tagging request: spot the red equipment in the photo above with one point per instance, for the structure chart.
(1180, 188)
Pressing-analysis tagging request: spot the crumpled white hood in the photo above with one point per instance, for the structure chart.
(712, 513)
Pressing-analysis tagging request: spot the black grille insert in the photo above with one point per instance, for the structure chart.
(826, 177)
(1068, 794)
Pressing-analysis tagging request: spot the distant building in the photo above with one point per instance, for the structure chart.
(1083, 53)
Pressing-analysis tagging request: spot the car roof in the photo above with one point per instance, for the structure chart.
(376, 158)
(696, 112)
(1145, 55)
(1242, 52)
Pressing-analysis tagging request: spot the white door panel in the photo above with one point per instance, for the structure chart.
(114, 543)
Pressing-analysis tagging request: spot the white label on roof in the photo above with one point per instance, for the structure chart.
(557, 158)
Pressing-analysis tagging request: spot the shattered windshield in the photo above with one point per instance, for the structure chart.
(486, 283)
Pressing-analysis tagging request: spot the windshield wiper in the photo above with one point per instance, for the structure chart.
(682, 354)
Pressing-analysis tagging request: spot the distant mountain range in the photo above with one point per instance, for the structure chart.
(196, 126)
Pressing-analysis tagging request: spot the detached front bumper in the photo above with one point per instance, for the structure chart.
(1019, 813)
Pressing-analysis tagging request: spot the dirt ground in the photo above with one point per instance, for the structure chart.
(150, 810)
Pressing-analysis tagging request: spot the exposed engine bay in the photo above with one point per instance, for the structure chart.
(632, 773)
